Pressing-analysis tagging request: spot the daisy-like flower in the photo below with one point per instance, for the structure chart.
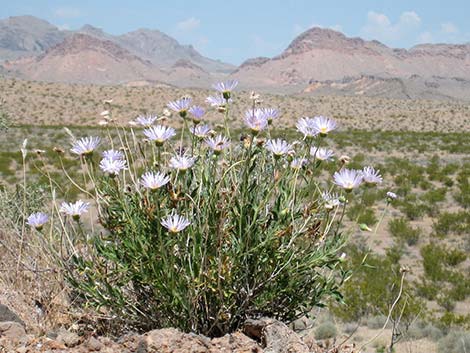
(182, 163)
(371, 176)
(278, 147)
(298, 163)
(271, 114)
(322, 154)
(159, 134)
(218, 101)
(85, 146)
(197, 113)
(37, 220)
(180, 106)
(324, 125)
(145, 120)
(113, 155)
(154, 181)
(226, 88)
(112, 166)
(256, 120)
(217, 143)
(74, 209)
(306, 127)
(391, 196)
(331, 200)
(175, 223)
(200, 131)
(348, 179)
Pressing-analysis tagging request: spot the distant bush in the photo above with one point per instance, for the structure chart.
(403, 231)
(326, 330)
(455, 342)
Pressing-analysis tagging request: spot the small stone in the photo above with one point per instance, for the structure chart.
(93, 344)
(12, 330)
(69, 339)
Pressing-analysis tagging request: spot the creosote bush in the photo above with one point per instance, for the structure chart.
(212, 229)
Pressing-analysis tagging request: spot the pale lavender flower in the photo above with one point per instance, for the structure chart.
(225, 88)
(298, 163)
(324, 125)
(197, 113)
(182, 163)
(217, 143)
(391, 195)
(278, 147)
(348, 179)
(113, 155)
(154, 181)
(200, 131)
(175, 223)
(85, 145)
(256, 120)
(112, 166)
(37, 220)
(306, 127)
(218, 101)
(322, 154)
(180, 106)
(159, 134)
(146, 120)
(271, 114)
(74, 209)
(371, 176)
(331, 200)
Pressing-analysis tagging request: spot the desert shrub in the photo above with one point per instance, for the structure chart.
(231, 231)
(448, 222)
(376, 322)
(375, 286)
(401, 229)
(326, 330)
(455, 342)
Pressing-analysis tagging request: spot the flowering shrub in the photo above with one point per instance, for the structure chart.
(200, 230)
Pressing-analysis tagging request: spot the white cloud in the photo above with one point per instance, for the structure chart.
(189, 24)
(67, 12)
(449, 28)
(380, 27)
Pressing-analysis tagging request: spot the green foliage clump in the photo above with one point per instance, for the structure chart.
(456, 223)
(326, 330)
(401, 229)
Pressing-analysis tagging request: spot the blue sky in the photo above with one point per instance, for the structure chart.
(236, 30)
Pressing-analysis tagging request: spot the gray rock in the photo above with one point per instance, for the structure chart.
(7, 315)
(12, 330)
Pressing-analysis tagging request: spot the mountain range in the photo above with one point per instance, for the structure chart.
(317, 62)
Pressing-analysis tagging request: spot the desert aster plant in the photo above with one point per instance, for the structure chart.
(298, 163)
(74, 209)
(182, 163)
(197, 113)
(256, 120)
(37, 220)
(159, 134)
(175, 223)
(371, 176)
(226, 88)
(154, 181)
(278, 147)
(180, 106)
(217, 143)
(306, 127)
(322, 154)
(348, 179)
(271, 114)
(200, 131)
(146, 120)
(113, 155)
(331, 200)
(86, 145)
(112, 166)
(324, 125)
